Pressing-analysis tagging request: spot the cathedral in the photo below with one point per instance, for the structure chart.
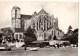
(44, 24)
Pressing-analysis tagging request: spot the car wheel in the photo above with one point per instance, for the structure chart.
(9, 49)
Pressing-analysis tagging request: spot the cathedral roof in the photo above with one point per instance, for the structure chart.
(26, 16)
(42, 11)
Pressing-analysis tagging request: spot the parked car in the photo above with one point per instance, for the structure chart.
(5, 47)
(74, 45)
(32, 48)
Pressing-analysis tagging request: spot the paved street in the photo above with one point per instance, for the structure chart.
(41, 52)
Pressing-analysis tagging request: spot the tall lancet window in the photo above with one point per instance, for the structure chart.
(15, 14)
(18, 24)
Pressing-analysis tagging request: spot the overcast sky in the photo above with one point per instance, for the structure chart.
(66, 12)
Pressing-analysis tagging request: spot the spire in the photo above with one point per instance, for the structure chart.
(42, 7)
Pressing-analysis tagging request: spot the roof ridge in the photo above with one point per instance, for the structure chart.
(23, 16)
(42, 11)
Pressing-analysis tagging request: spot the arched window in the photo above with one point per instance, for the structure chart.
(20, 36)
(58, 33)
(16, 36)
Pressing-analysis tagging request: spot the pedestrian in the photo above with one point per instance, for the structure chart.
(58, 45)
(25, 48)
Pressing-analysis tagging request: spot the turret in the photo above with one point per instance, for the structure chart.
(15, 14)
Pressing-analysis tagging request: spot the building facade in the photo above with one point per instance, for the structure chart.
(42, 22)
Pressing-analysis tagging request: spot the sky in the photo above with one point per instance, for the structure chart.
(66, 12)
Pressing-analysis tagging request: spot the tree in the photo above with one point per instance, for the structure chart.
(29, 36)
(7, 33)
(70, 27)
(0, 38)
(75, 31)
(69, 30)
(72, 38)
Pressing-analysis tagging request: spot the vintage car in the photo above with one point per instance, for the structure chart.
(5, 47)
(32, 48)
